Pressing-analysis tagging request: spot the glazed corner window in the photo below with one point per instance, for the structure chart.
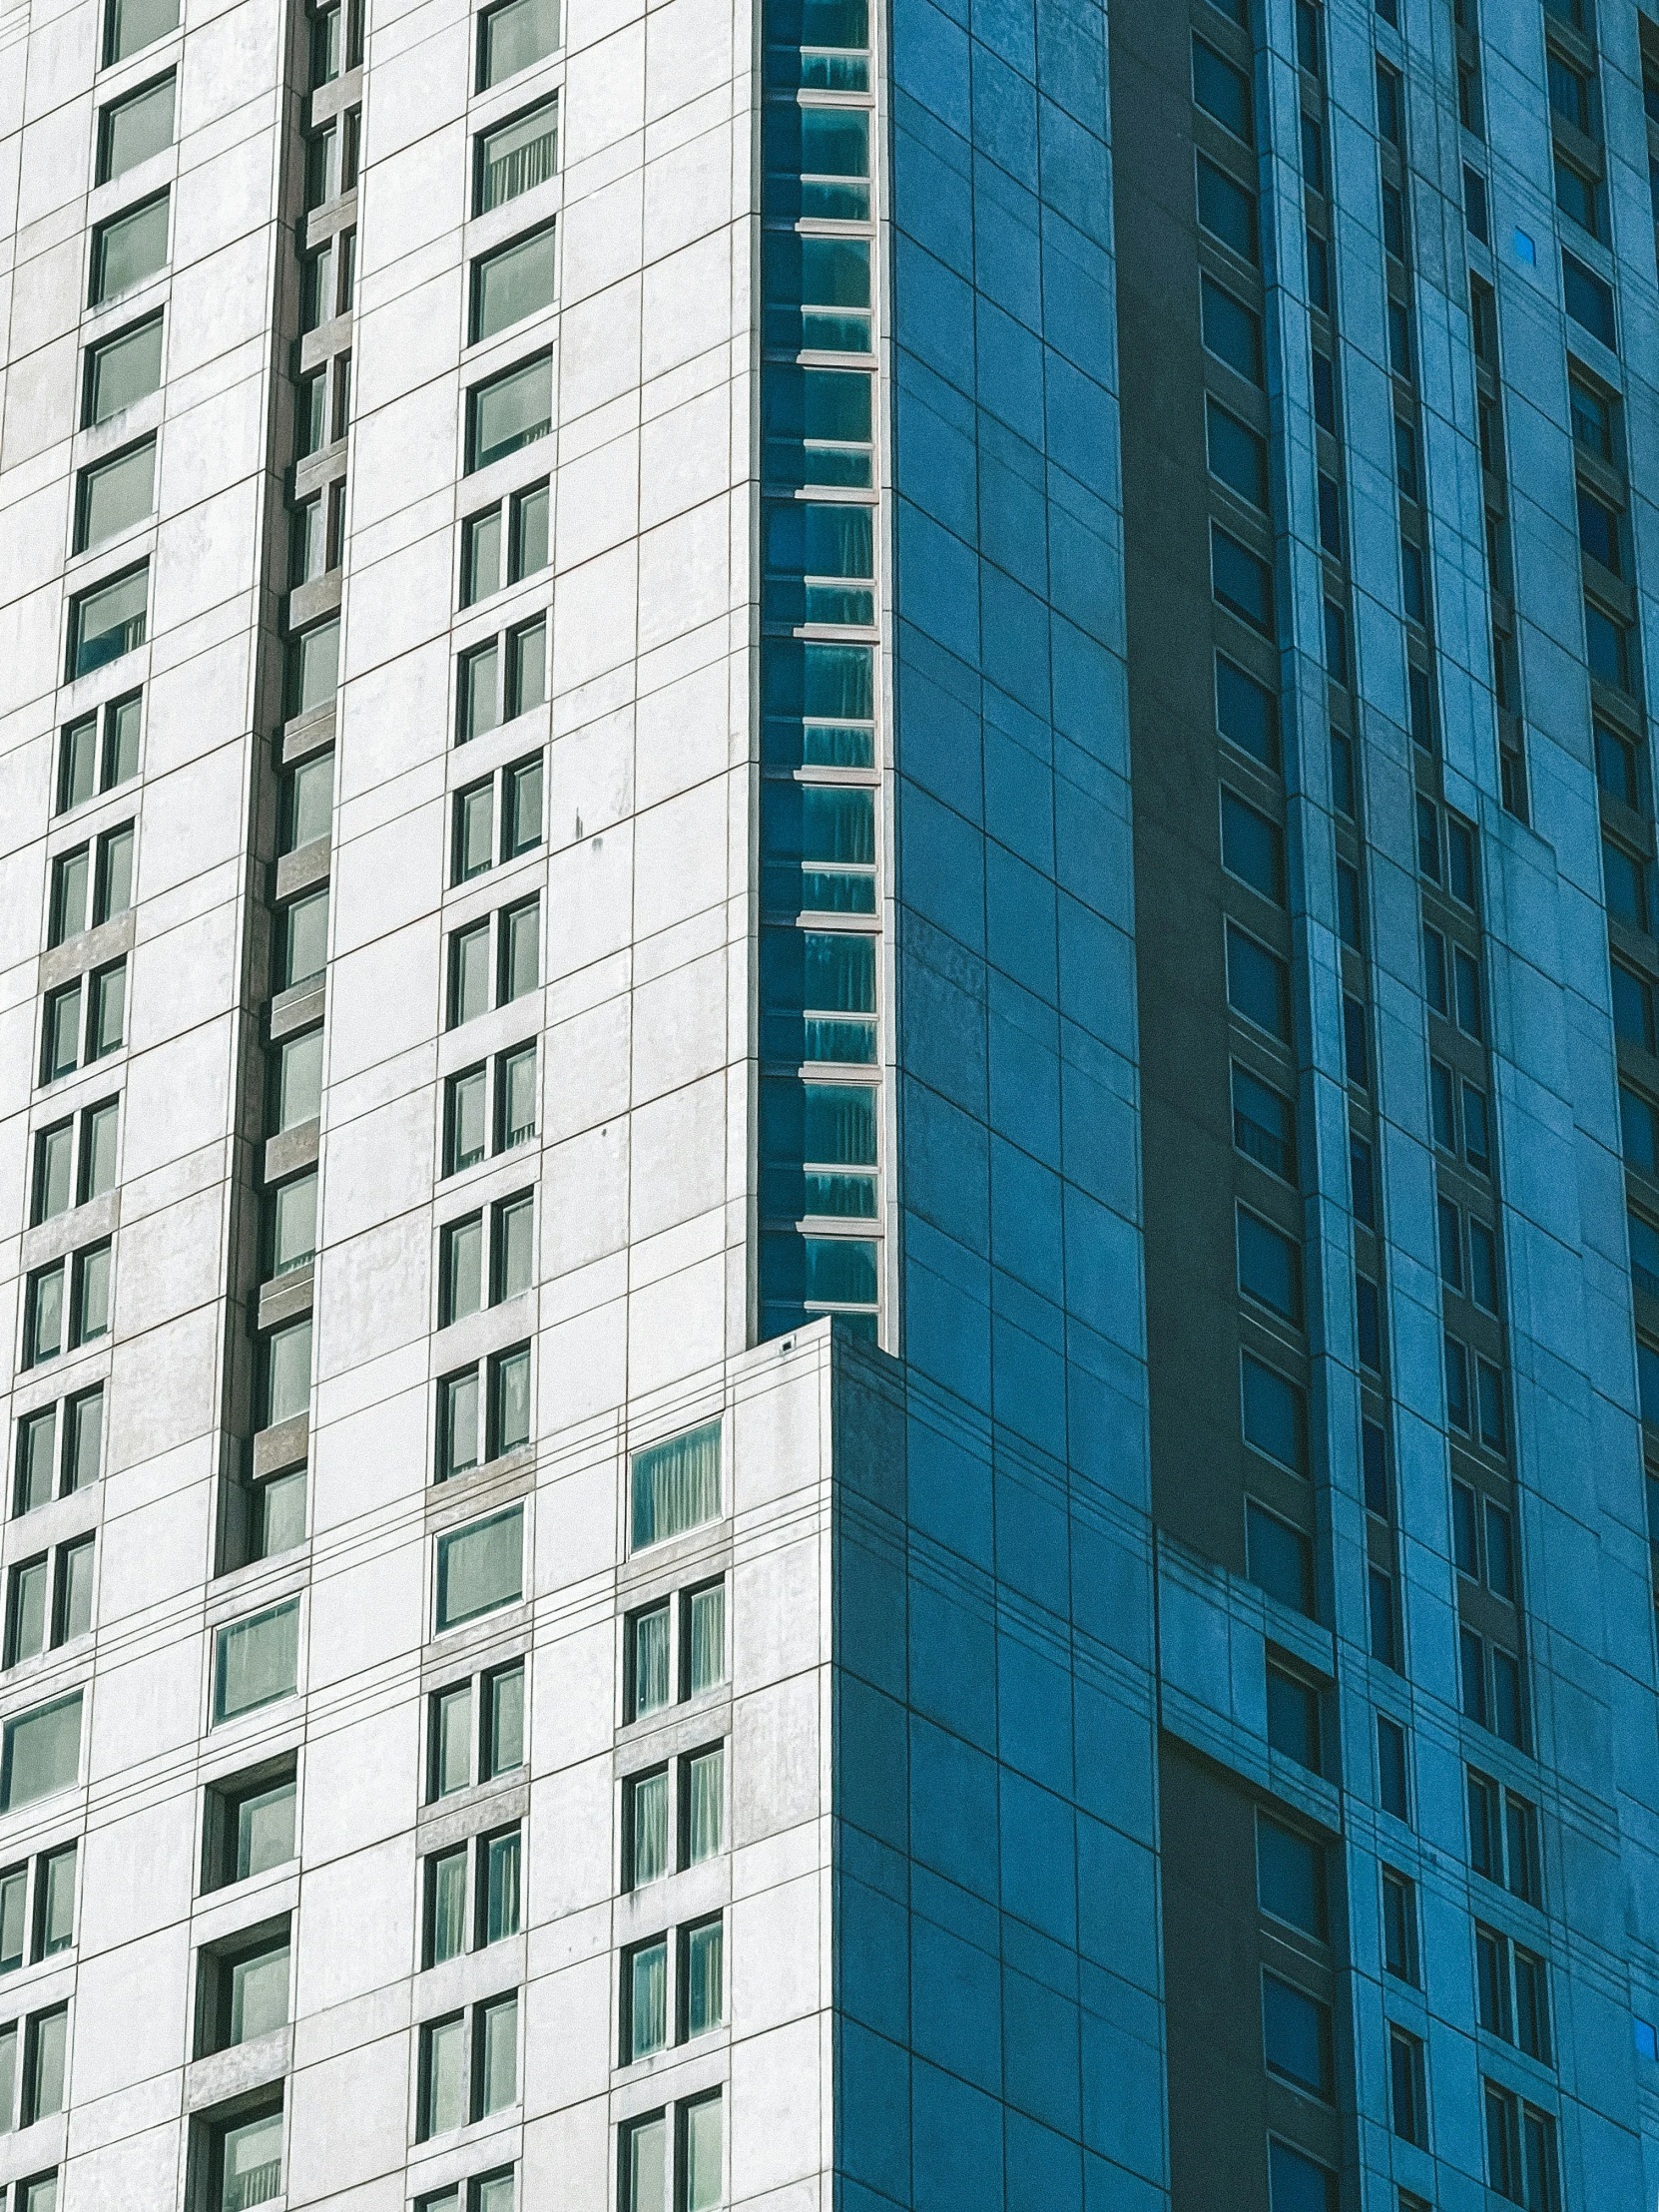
(518, 156)
(257, 1661)
(313, 667)
(513, 409)
(510, 38)
(480, 1568)
(516, 281)
(42, 1753)
(131, 25)
(122, 370)
(129, 249)
(108, 620)
(129, 130)
(676, 1486)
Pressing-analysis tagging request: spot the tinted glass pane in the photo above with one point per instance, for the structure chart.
(124, 369)
(130, 248)
(513, 283)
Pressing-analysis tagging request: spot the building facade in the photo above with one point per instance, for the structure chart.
(828, 1105)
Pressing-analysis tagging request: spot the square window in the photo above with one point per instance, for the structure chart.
(257, 1661)
(249, 1825)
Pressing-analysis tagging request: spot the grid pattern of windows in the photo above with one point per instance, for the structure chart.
(820, 1109)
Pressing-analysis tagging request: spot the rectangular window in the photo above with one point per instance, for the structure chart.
(1406, 2094)
(1293, 1718)
(460, 1268)
(648, 1689)
(108, 620)
(1238, 458)
(509, 1407)
(511, 410)
(1251, 847)
(1227, 211)
(1290, 1878)
(515, 1097)
(1241, 581)
(513, 283)
(704, 1659)
(248, 1828)
(1232, 331)
(480, 1568)
(1258, 984)
(43, 1315)
(44, 2055)
(1393, 1784)
(291, 1224)
(527, 536)
(1589, 301)
(131, 130)
(296, 1081)
(1279, 1558)
(131, 25)
(313, 667)
(457, 1425)
(676, 1486)
(527, 667)
(54, 1929)
(476, 692)
(445, 1906)
(1296, 2037)
(645, 1829)
(450, 1745)
(42, 1753)
(1263, 1124)
(303, 939)
(480, 556)
(495, 2056)
(115, 494)
(644, 1999)
(702, 1978)
(1275, 1414)
(277, 1514)
(309, 801)
(107, 1013)
(113, 886)
(502, 1745)
(1398, 1926)
(464, 1120)
(518, 156)
(129, 249)
(1221, 90)
(442, 2102)
(257, 1661)
(512, 1248)
(1270, 1265)
(475, 831)
(498, 1884)
(702, 1805)
(469, 973)
(512, 37)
